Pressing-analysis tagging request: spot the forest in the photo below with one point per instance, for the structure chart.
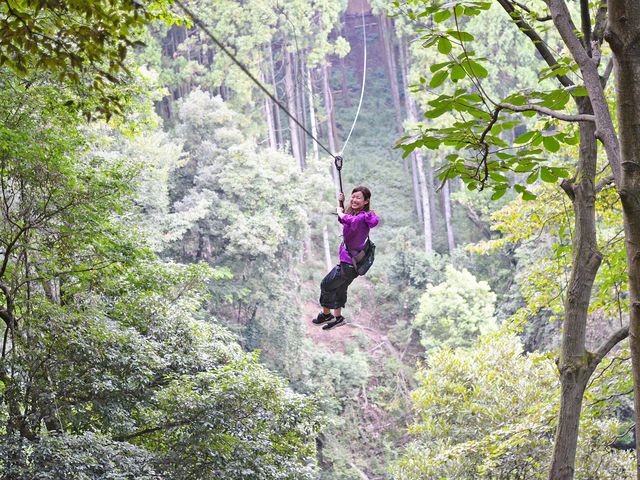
(169, 210)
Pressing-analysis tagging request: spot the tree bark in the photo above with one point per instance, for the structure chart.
(431, 191)
(312, 115)
(275, 109)
(300, 73)
(426, 224)
(331, 120)
(412, 111)
(327, 248)
(623, 35)
(446, 206)
(574, 363)
(386, 38)
(404, 67)
(290, 89)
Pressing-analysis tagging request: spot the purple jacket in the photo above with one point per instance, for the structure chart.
(355, 230)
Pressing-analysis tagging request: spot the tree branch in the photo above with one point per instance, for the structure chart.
(538, 42)
(548, 111)
(605, 130)
(604, 182)
(528, 10)
(608, 344)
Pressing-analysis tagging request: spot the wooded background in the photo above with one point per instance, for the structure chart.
(165, 227)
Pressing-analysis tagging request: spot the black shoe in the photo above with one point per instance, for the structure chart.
(322, 318)
(337, 322)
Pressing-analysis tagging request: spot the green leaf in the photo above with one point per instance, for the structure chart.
(436, 112)
(462, 36)
(499, 193)
(437, 66)
(547, 175)
(528, 196)
(444, 45)
(533, 176)
(438, 79)
(457, 73)
(498, 177)
(551, 144)
(441, 16)
(525, 137)
(474, 68)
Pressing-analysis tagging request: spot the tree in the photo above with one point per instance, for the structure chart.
(109, 364)
(480, 133)
(84, 44)
(489, 411)
(455, 312)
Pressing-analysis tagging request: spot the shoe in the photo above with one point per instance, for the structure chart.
(322, 318)
(337, 322)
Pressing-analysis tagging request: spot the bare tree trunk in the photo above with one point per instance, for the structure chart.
(431, 191)
(404, 67)
(290, 89)
(623, 32)
(301, 113)
(422, 180)
(275, 109)
(331, 120)
(327, 247)
(345, 88)
(417, 196)
(271, 128)
(446, 206)
(312, 115)
(574, 362)
(428, 234)
(386, 39)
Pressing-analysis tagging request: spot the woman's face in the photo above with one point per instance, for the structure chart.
(357, 201)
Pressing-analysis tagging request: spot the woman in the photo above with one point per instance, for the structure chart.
(356, 223)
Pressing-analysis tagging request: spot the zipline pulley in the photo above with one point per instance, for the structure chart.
(338, 163)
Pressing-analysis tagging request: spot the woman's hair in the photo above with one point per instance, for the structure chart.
(366, 193)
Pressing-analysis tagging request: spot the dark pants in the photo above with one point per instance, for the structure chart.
(333, 288)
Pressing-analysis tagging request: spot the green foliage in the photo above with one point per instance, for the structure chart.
(249, 210)
(482, 115)
(489, 412)
(81, 44)
(110, 367)
(456, 311)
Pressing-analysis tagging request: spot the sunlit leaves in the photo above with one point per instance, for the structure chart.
(81, 44)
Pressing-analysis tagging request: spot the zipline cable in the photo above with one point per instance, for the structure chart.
(204, 28)
(364, 78)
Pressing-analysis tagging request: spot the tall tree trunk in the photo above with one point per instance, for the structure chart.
(415, 183)
(404, 68)
(290, 89)
(312, 115)
(386, 39)
(301, 113)
(574, 364)
(271, 127)
(327, 248)
(446, 206)
(623, 33)
(431, 191)
(412, 111)
(331, 120)
(275, 108)
(427, 232)
(345, 89)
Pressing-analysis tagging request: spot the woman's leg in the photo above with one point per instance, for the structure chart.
(348, 275)
(329, 288)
